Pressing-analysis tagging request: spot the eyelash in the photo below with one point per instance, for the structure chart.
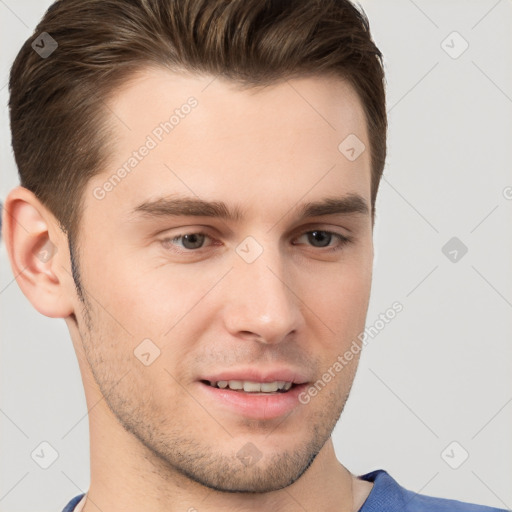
(343, 240)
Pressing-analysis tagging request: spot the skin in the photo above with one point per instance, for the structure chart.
(156, 442)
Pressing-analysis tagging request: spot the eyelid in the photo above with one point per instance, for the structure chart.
(304, 230)
(319, 226)
(205, 230)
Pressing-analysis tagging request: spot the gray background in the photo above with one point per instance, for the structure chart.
(440, 371)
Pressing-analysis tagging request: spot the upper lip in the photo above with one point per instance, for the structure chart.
(259, 375)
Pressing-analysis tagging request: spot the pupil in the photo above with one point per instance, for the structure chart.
(196, 240)
(320, 236)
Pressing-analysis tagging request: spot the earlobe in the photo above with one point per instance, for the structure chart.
(34, 241)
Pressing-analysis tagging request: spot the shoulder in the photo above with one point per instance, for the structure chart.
(387, 495)
(70, 507)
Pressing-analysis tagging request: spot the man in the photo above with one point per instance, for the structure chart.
(197, 200)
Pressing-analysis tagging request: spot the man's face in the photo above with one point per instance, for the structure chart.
(267, 296)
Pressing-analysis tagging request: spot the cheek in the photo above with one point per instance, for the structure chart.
(339, 297)
(150, 298)
(159, 301)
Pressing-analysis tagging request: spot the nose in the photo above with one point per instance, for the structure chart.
(261, 301)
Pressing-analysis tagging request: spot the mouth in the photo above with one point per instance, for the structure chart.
(253, 399)
(252, 387)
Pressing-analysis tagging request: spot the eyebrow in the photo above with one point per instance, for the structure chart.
(349, 204)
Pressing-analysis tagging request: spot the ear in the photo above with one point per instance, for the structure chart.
(38, 252)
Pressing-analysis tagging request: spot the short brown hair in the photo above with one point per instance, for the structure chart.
(59, 119)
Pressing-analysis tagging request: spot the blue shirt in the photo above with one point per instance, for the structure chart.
(388, 496)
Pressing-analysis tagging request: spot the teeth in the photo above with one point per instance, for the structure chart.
(268, 387)
(253, 387)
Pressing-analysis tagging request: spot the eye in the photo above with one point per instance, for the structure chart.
(190, 241)
(320, 239)
(193, 242)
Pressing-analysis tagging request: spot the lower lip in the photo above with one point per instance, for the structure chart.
(255, 406)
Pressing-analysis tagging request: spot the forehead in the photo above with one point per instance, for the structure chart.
(153, 94)
(207, 136)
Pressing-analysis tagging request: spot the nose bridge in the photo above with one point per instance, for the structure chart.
(261, 301)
